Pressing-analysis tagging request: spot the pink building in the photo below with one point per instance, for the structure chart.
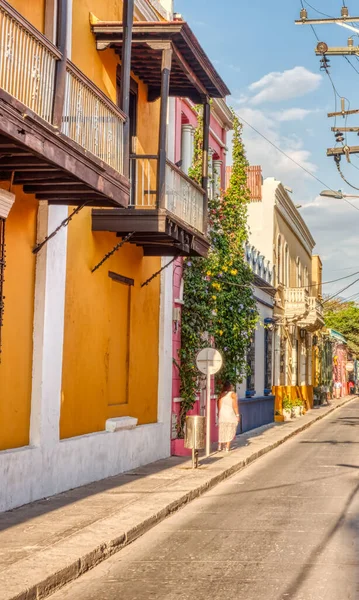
(186, 124)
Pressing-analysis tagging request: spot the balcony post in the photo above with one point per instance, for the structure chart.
(127, 19)
(162, 144)
(206, 126)
(60, 74)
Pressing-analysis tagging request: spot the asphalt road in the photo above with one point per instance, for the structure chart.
(285, 528)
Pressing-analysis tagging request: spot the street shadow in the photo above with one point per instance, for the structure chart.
(39, 508)
(292, 590)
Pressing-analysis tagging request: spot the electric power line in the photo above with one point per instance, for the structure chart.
(294, 161)
(341, 291)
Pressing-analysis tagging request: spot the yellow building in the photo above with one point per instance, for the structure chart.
(85, 384)
(278, 230)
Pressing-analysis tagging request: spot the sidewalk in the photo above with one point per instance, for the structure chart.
(46, 544)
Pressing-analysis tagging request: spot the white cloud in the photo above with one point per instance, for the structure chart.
(292, 114)
(334, 225)
(278, 86)
(260, 152)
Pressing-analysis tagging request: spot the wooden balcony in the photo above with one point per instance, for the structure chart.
(60, 136)
(176, 229)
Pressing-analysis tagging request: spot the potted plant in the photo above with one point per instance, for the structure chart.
(298, 406)
(278, 418)
(287, 408)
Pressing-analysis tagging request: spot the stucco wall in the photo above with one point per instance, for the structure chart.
(16, 358)
(296, 249)
(97, 314)
(33, 11)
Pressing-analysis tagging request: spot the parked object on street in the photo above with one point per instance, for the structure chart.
(195, 436)
(228, 416)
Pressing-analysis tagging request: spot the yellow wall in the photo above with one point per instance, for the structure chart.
(296, 249)
(16, 358)
(100, 379)
(317, 275)
(95, 318)
(32, 10)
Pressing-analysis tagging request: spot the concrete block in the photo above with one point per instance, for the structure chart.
(120, 423)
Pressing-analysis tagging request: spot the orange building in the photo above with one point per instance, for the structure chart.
(85, 321)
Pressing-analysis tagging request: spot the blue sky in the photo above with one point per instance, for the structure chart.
(270, 66)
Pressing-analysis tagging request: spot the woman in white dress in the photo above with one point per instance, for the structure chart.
(228, 416)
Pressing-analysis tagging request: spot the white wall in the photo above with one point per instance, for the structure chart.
(261, 220)
(50, 465)
(264, 313)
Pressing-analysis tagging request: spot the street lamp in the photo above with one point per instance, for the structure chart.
(338, 195)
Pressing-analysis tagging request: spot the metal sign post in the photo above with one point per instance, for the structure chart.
(209, 361)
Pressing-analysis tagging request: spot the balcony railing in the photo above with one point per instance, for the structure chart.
(316, 306)
(92, 120)
(184, 198)
(296, 296)
(27, 72)
(27, 63)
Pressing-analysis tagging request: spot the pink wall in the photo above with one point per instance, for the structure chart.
(186, 114)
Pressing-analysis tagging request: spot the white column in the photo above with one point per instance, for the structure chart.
(217, 171)
(276, 360)
(187, 148)
(49, 319)
(294, 362)
(192, 144)
(165, 347)
(309, 360)
(302, 364)
(210, 174)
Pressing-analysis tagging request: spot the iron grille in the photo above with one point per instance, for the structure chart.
(2, 272)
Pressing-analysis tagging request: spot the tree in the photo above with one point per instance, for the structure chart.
(343, 317)
(219, 306)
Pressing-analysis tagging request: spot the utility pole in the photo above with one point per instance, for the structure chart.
(324, 50)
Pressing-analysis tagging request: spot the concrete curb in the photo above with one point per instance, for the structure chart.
(75, 566)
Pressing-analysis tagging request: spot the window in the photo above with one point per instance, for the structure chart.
(279, 260)
(2, 269)
(306, 278)
(251, 361)
(286, 266)
(299, 274)
(268, 351)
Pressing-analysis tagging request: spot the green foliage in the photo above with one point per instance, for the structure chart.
(219, 308)
(298, 402)
(344, 318)
(287, 403)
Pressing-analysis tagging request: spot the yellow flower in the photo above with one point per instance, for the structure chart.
(214, 297)
(234, 272)
(220, 332)
(209, 273)
(225, 269)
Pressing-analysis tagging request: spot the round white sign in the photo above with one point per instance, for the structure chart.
(209, 361)
(350, 367)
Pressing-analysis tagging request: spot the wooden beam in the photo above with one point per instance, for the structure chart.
(341, 151)
(162, 142)
(60, 73)
(127, 19)
(190, 75)
(206, 128)
(57, 190)
(121, 278)
(343, 113)
(352, 129)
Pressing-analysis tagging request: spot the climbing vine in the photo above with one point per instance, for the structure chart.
(219, 308)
